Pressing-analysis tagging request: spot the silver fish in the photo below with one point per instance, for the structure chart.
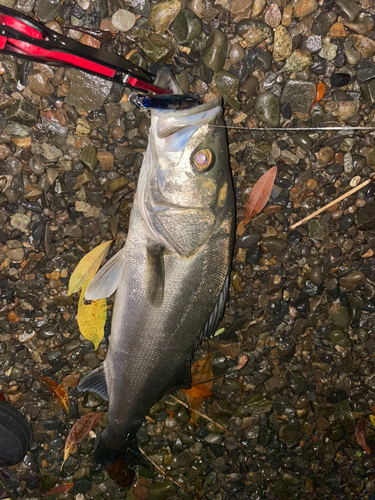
(171, 276)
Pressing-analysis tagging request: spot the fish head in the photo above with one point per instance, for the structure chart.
(187, 180)
(190, 156)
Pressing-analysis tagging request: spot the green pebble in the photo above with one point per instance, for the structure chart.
(88, 157)
(339, 337)
(117, 184)
(215, 52)
(22, 111)
(187, 27)
(91, 400)
(274, 244)
(227, 85)
(318, 229)
(267, 108)
(162, 491)
(342, 318)
(156, 48)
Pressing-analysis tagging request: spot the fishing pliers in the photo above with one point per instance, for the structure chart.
(22, 36)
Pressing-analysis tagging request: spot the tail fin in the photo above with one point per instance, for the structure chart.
(105, 456)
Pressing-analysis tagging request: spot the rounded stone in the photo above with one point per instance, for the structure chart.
(162, 15)
(118, 184)
(267, 108)
(274, 244)
(187, 27)
(339, 337)
(282, 45)
(214, 54)
(340, 79)
(303, 8)
(123, 20)
(40, 84)
(237, 54)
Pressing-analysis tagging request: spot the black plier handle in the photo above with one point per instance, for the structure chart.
(22, 36)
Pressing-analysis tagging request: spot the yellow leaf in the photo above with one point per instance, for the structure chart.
(219, 332)
(372, 418)
(87, 267)
(91, 318)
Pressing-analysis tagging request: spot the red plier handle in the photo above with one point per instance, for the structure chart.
(27, 38)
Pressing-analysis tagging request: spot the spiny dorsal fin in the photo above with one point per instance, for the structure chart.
(154, 275)
(106, 281)
(216, 314)
(95, 382)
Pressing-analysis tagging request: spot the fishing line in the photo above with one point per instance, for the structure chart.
(298, 129)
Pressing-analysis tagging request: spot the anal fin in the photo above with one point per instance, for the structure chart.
(95, 382)
(155, 278)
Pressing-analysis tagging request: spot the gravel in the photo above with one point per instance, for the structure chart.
(301, 302)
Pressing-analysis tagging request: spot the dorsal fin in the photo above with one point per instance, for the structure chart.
(216, 314)
(154, 275)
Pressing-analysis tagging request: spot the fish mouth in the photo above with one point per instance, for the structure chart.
(168, 122)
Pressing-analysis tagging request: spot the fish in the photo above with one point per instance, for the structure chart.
(171, 278)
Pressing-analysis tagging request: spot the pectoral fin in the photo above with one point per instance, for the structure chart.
(154, 276)
(106, 281)
(95, 382)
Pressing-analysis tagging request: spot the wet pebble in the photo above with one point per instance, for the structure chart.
(162, 15)
(123, 20)
(214, 54)
(267, 108)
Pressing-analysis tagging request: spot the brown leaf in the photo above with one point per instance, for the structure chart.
(200, 371)
(79, 431)
(260, 194)
(360, 435)
(62, 488)
(242, 361)
(59, 393)
(200, 391)
(120, 473)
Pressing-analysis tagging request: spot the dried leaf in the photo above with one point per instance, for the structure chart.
(320, 90)
(62, 488)
(87, 267)
(59, 393)
(242, 361)
(200, 391)
(91, 318)
(360, 435)
(120, 473)
(372, 418)
(79, 431)
(200, 371)
(260, 194)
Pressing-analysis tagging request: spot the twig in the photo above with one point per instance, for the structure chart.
(166, 475)
(229, 372)
(213, 421)
(331, 203)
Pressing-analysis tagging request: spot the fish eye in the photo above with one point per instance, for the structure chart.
(203, 160)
